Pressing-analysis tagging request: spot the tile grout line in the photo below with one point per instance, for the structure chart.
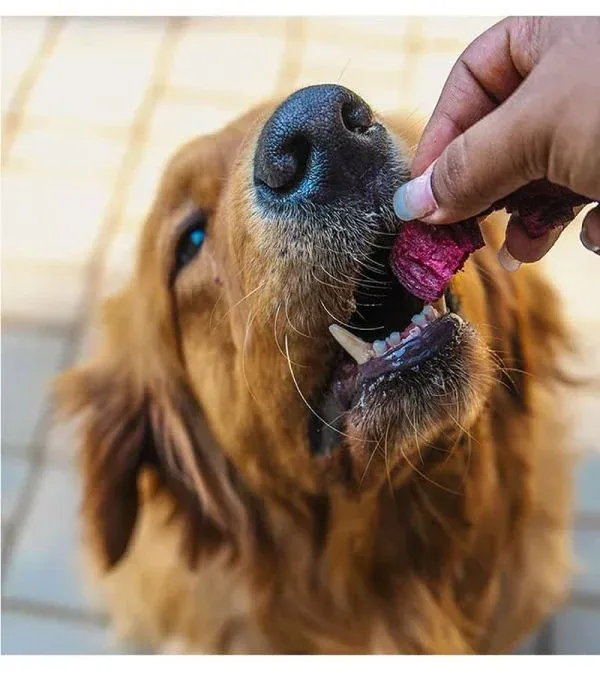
(295, 47)
(37, 459)
(49, 610)
(13, 118)
(133, 154)
(75, 333)
(412, 47)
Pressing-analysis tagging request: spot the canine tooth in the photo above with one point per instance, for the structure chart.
(380, 347)
(413, 333)
(441, 306)
(394, 339)
(358, 349)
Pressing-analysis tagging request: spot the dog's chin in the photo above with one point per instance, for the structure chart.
(431, 383)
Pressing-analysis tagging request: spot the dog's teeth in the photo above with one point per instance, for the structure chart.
(419, 320)
(413, 333)
(380, 347)
(441, 306)
(394, 339)
(358, 349)
(430, 313)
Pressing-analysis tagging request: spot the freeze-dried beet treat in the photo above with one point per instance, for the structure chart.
(425, 257)
(542, 206)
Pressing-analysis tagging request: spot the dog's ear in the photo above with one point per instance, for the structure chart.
(116, 442)
(135, 414)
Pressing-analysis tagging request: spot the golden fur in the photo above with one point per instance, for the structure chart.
(210, 526)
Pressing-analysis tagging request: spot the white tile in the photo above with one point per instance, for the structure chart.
(145, 183)
(576, 272)
(587, 482)
(29, 634)
(45, 566)
(578, 631)
(29, 361)
(66, 151)
(245, 64)
(51, 219)
(464, 28)
(587, 556)
(120, 262)
(49, 293)
(14, 475)
(174, 123)
(21, 39)
(140, 35)
(98, 72)
(342, 29)
(425, 82)
(236, 25)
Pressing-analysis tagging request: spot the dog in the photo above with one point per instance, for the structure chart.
(282, 450)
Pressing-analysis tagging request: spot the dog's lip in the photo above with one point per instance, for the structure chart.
(352, 378)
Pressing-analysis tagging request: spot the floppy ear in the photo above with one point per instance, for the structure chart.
(128, 424)
(116, 443)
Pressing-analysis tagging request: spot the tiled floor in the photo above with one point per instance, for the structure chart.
(91, 109)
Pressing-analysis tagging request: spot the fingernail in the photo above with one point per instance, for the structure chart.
(415, 199)
(509, 263)
(583, 236)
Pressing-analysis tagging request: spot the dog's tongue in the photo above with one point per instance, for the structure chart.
(425, 257)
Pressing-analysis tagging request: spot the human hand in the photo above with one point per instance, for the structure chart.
(522, 103)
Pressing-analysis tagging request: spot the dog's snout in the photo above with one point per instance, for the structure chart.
(319, 141)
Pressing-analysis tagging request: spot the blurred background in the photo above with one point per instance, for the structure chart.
(91, 110)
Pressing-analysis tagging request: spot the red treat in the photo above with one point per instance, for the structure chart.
(542, 206)
(425, 257)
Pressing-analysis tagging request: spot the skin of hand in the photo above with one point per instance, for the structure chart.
(521, 103)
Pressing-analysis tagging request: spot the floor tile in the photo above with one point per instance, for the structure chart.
(464, 28)
(21, 39)
(587, 553)
(217, 61)
(27, 634)
(14, 471)
(29, 361)
(51, 219)
(72, 152)
(567, 255)
(146, 181)
(577, 631)
(426, 81)
(374, 75)
(98, 72)
(45, 564)
(351, 29)
(46, 292)
(174, 122)
(588, 484)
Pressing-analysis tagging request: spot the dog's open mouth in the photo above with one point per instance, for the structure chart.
(390, 335)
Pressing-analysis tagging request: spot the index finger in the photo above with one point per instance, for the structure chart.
(485, 75)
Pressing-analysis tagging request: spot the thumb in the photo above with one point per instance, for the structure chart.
(497, 155)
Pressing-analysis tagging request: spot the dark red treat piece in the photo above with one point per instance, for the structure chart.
(425, 257)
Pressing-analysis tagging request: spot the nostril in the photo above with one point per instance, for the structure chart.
(286, 167)
(356, 116)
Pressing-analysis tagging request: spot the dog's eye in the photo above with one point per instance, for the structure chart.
(190, 241)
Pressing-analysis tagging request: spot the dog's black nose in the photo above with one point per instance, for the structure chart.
(320, 142)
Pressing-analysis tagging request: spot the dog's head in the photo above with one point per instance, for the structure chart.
(262, 348)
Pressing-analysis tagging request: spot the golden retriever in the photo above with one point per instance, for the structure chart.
(253, 486)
